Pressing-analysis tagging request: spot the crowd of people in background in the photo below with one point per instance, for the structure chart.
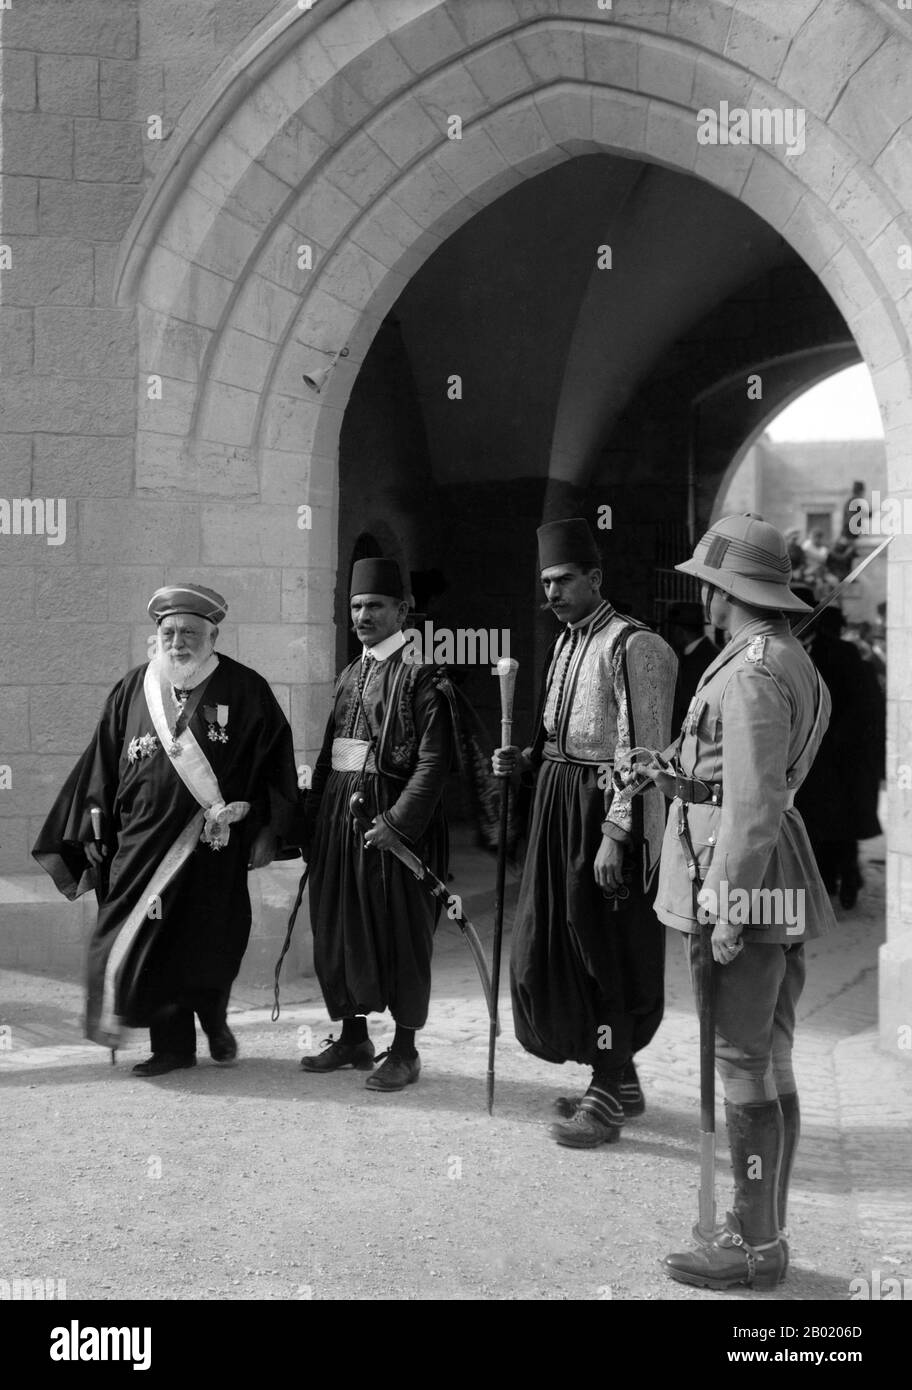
(838, 800)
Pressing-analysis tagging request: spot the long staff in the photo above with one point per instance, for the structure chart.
(506, 674)
(704, 979)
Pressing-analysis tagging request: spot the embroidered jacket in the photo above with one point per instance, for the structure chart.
(400, 712)
(610, 686)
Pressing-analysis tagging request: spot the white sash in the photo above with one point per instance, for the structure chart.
(173, 860)
(352, 755)
(192, 766)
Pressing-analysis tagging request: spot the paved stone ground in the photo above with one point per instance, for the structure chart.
(260, 1182)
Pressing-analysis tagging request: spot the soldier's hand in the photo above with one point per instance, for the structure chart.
(262, 851)
(609, 864)
(380, 835)
(95, 857)
(507, 761)
(726, 942)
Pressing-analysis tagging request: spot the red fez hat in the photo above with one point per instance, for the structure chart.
(568, 542)
(376, 576)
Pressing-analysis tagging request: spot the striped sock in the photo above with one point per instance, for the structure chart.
(629, 1086)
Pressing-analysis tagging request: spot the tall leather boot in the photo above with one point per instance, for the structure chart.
(791, 1117)
(748, 1249)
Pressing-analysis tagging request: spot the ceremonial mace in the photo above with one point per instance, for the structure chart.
(95, 818)
(506, 674)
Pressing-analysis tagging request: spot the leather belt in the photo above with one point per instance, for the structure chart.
(693, 791)
(689, 789)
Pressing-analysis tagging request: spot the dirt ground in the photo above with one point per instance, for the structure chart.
(264, 1182)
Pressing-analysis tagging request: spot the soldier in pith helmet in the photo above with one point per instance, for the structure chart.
(736, 860)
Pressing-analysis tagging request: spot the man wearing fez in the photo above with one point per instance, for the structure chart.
(192, 770)
(749, 738)
(389, 738)
(587, 959)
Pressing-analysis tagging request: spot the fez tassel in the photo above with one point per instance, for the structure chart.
(506, 674)
(439, 890)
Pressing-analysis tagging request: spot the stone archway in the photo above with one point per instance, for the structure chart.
(330, 132)
(791, 378)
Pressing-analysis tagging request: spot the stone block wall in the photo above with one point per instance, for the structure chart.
(80, 86)
(71, 177)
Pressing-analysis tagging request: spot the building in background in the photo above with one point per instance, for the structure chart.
(538, 290)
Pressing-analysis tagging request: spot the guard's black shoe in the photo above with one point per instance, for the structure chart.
(223, 1046)
(395, 1074)
(584, 1131)
(629, 1091)
(161, 1062)
(339, 1054)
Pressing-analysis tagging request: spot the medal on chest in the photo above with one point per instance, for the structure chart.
(216, 717)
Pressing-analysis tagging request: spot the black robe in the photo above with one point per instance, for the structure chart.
(834, 799)
(373, 923)
(196, 936)
(586, 975)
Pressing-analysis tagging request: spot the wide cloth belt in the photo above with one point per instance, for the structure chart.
(694, 791)
(352, 755)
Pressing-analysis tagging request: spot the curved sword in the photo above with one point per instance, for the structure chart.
(439, 890)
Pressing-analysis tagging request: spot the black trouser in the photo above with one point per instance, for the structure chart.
(173, 1029)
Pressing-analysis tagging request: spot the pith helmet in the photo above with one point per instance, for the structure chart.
(747, 558)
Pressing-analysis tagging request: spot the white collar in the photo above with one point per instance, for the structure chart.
(692, 646)
(590, 617)
(386, 648)
(204, 672)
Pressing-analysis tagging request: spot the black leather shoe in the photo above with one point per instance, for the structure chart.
(339, 1054)
(727, 1261)
(223, 1046)
(161, 1062)
(584, 1131)
(395, 1074)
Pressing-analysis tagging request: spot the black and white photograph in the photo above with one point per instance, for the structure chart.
(455, 668)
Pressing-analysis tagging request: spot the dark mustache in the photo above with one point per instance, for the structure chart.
(546, 607)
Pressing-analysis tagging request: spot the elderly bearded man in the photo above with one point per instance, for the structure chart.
(389, 737)
(192, 768)
(587, 960)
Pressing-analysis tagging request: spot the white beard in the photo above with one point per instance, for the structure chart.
(179, 672)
